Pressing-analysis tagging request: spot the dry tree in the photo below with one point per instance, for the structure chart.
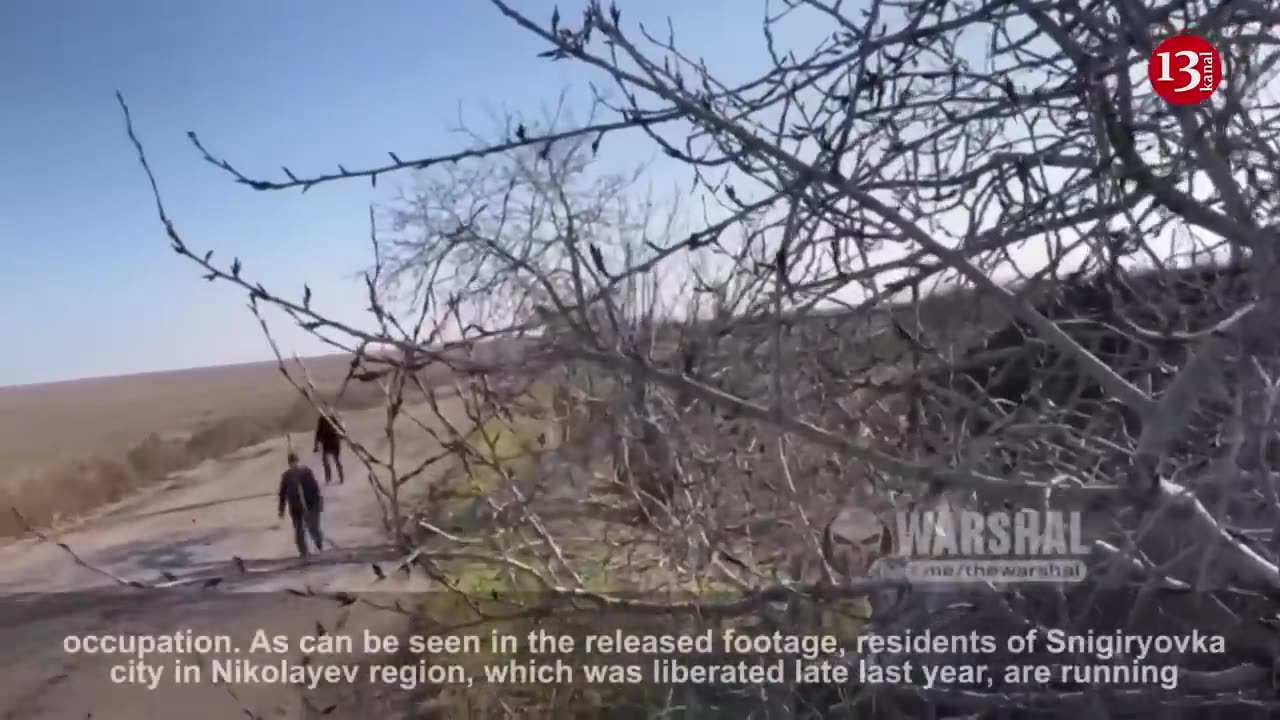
(944, 251)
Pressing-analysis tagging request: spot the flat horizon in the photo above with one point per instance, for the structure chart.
(161, 371)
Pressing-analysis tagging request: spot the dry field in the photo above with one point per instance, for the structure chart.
(68, 447)
(215, 522)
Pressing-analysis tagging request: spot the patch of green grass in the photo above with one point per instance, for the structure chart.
(499, 451)
(488, 597)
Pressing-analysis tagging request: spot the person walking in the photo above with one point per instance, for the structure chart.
(329, 444)
(300, 494)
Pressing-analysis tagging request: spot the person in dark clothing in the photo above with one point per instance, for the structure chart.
(329, 443)
(300, 493)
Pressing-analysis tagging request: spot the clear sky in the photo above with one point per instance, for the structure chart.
(87, 283)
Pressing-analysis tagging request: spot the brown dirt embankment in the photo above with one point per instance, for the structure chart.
(68, 448)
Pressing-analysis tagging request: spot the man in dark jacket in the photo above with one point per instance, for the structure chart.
(300, 493)
(328, 443)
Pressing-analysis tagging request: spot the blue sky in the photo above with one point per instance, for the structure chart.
(88, 285)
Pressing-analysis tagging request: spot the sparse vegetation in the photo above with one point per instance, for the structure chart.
(48, 491)
(731, 382)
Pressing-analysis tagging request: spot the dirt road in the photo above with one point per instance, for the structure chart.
(218, 560)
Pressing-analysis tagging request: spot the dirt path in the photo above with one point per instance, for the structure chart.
(184, 535)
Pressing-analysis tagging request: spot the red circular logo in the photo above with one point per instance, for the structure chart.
(1185, 70)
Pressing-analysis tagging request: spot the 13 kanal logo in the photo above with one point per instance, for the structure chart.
(1185, 70)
